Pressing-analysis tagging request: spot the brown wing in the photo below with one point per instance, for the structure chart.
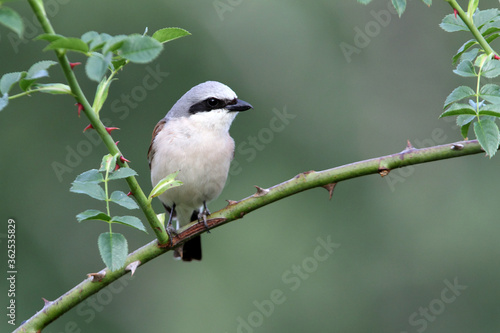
(151, 151)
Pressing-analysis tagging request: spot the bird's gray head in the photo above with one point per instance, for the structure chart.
(207, 97)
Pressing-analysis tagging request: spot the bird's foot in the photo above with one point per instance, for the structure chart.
(202, 217)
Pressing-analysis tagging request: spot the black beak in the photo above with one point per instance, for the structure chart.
(238, 105)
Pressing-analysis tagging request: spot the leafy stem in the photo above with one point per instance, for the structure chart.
(468, 20)
(39, 10)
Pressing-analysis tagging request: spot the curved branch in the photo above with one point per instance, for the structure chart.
(237, 209)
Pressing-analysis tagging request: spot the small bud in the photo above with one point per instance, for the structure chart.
(111, 129)
(88, 127)
(80, 108)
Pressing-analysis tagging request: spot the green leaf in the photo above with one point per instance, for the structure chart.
(97, 65)
(458, 109)
(167, 34)
(490, 110)
(491, 93)
(68, 44)
(465, 119)
(49, 37)
(113, 249)
(400, 6)
(463, 49)
(53, 88)
(464, 130)
(491, 68)
(108, 163)
(465, 69)
(8, 80)
(99, 41)
(91, 189)
(89, 36)
(131, 221)
(113, 43)
(101, 94)
(11, 19)
(39, 69)
(140, 49)
(93, 214)
(91, 176)
(122, 173)
(166, 183)
(484, 16)
(123, 200)
(4, 100)
(459, 94)
(452, 24)
(488, 136)
(489, 28)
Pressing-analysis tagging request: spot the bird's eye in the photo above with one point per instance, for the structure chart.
(214, 102)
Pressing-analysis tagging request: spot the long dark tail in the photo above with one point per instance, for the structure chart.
(192, 248)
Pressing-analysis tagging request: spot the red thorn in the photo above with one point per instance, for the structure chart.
(88, 127)
(80, 108)
(73, 64)
(117, 167)
(455, 12)
(116, 143)
(496, 57)
(123, 159)
(111, 129)
(129, 194)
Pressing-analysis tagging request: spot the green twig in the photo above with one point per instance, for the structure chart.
(161, 235)
(236, 210)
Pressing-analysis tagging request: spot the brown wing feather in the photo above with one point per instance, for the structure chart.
(151, 151)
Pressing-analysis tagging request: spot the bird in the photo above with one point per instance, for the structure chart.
(193, 138)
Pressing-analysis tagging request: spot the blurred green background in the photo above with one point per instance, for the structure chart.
(416, 251)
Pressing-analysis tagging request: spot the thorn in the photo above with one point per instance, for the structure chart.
(97, 277)
(46, 302)
(409, 146)
(111, 129)
(88, 127)
(123, 159)
(260, 191)
(457, 146)
(231, 202)
(80, 108)
(329, 188)
(383, 172)
(496, 57)
(116, 143)
(117, 167)
(129, 194)
(132, 266)
(455, 12)
(74, 64)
